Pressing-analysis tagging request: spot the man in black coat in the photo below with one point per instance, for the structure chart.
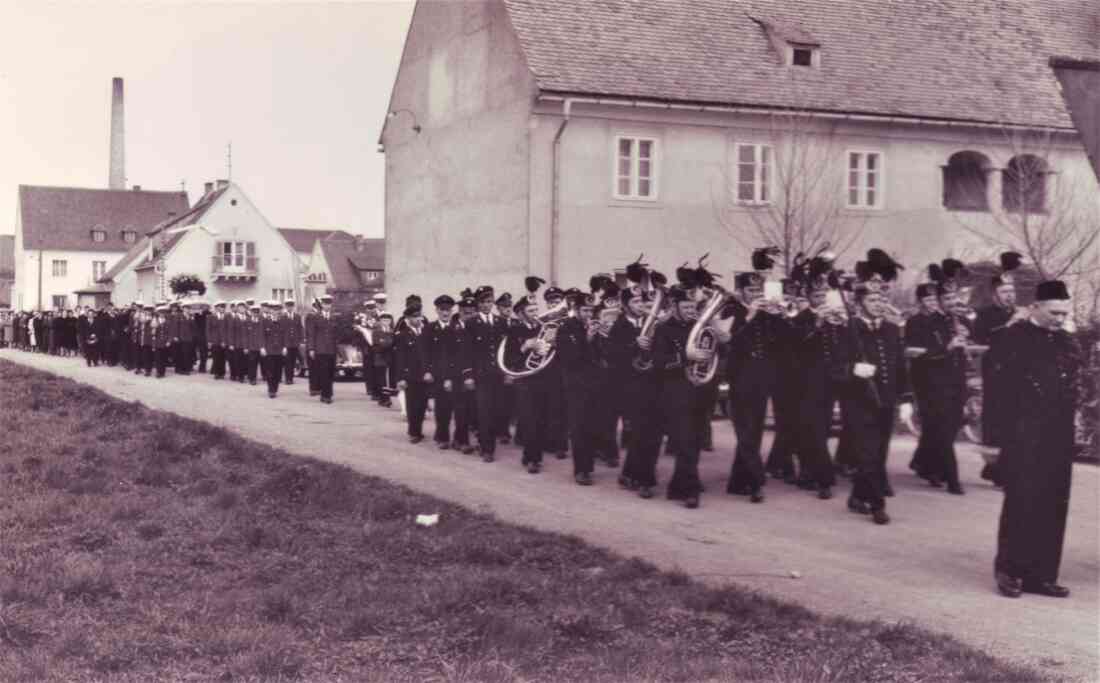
(440, 358)
(321, 347)
(411, 372)
(1042, 364)
(575, 353)
(485, 332)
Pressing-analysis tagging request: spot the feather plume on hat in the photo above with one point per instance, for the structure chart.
(637, 271)
(532, 283)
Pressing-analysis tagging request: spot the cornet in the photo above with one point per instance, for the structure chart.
(536, 359)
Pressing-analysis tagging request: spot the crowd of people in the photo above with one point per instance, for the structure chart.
(559, 376)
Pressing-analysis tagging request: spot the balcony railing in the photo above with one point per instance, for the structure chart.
(234, 269)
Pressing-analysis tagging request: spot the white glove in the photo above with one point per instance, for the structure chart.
(864, 370)
(905, 412)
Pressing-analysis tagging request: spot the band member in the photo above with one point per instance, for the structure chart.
(879, 383)
(506, 407)
(200, 347)
(216, 334)
(89, 339)
(411, 370)
(440, 359)
(321, 347)
(785, 400)
(941, 369)
(254, 341)
(465, 391)
(608, 367)
(574, 339)
(485, 332)
(557, 432)
(274, 347)
(641, 394)
(382, 359)
(989, 326)
(918, 331)
(759, 332)
(184, 341)
(1042, 363)
(292, 329)
(682, 402)
(526, 341)
(162, 339)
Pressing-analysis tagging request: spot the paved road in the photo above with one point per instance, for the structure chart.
(931, 566)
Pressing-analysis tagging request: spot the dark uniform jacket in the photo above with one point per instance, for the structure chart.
(670, 349)
(253, 334)
(198, 327)
(185, 328)
(274, 335)
(321, 333)
(103, 327)
(292, 328)
(409, 352)
(518, 334)
(162, 334)
(482, 342)
(576, 354)
(939, 370)
(884, 349)
(764, 339)
(217, 329)
(445, 350)
(825, 351)
(989, 329)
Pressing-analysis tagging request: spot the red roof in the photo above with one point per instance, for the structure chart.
(63, 218)
(348, 259)
(967, 60)
(302, 239)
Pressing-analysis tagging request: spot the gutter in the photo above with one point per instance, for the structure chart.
(636, 103)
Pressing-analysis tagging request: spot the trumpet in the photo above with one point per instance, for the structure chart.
(643, 361)
(540, 357)
(703, 338)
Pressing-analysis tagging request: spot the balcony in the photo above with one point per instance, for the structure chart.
(229, 270)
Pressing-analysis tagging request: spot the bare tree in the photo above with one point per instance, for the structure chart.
(789, 191)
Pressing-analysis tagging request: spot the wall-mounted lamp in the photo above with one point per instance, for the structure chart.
(415, 126)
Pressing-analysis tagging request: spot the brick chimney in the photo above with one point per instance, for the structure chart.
(117, 177)
(207, 188)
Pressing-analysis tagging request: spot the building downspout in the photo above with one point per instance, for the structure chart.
(40, 279)
(555, 193)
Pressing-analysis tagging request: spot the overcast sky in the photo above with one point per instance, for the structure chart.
(300, 89)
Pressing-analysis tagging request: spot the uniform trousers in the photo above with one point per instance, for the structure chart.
(416, 406)
(91, 354)
(161, 359)
(684, 407)
(532, 397)
(816, 417)
(314, 374)
(751, 388)
(444, 410)
(490, 394)
(506, 409)
(325, 366)
(557, 433)
(273, 363)
(785, 406)
(871, 427)
(184, 356)
(201, 350)
(602, 414)
(217, 354)
(252, 364)
(147, 356)
(290, 362)
(579, 388)
(941, 419)
(643, 413)
(465, 409)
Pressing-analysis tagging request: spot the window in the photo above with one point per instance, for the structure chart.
(371, 275)
(98, 269)
(1024, 184)
(803, 55)
(865, 180)
(60, 268)
(99, 235)
(754, 164)
(281, 295)
(965, 182)
(60, 301)
(235, 254)
(635, 168)
(129, 236)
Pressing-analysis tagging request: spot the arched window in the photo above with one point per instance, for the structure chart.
(965, 182)
(1024, 184)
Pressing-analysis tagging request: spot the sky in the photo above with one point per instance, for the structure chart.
(300, 90)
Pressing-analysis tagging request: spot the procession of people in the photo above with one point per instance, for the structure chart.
(589, 373)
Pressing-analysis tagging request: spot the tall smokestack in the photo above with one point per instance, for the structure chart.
(117, 180)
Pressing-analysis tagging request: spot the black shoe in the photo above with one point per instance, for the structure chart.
(1049, 589)
(738, 490)
(645, 492)
(534, 468)
(271, 394)
(858, 506)
(956, 489)
(756, 496)
(611, 462)
(825, 493)
(627, 483)
(252, 382)
(290, 381)
(888, 491)
(691, 502)
(1009, 586)
(415, 439)
(790, 478)
(561, 455)
(879, 516)
(385, 403)
(467, 450)
(314, 393)
(487, 457)
(583, 478)
(326, 400)
(504, 440)
(443, 445)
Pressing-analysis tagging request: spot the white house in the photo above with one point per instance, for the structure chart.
(304, 239)
(224, 240)
(351, 270)
(66, 238)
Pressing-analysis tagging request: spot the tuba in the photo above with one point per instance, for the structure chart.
(535, 361)
(643, 362)
(703, 338)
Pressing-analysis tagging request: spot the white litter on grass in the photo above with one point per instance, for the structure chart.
(427, 520)
(795, 574)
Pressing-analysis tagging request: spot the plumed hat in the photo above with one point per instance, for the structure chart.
(532, 283)
(1010, 261)
(1052, 290)
(764, 258)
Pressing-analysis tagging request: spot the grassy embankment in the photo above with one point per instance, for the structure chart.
(136, 545)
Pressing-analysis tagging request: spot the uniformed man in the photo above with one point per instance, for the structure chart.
(641, 392)
(531, 393)
(412, 371)
(465, 389)
(147, 341)
(919, 330)
(506, 408)
(557, 430)
(1042, 363)
(216, 335)
(254, 341)
(382, 360)
(162, 339)
(440, 358)
(574, 341)
(292, 329)
(321, 347)
(485, 332)
(275, 345)
(199, 314)
(989, 326)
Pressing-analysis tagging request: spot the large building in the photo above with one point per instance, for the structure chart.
(66, 238)
(7, 269)
(351, 270)
(564, 137)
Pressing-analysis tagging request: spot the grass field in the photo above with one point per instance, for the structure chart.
(136, 545)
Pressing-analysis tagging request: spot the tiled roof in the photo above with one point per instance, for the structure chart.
(170, 241)
(348, 258)
(63, 218)
(302, 239)
(970, 60)
(7, 255)
(191, 216)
